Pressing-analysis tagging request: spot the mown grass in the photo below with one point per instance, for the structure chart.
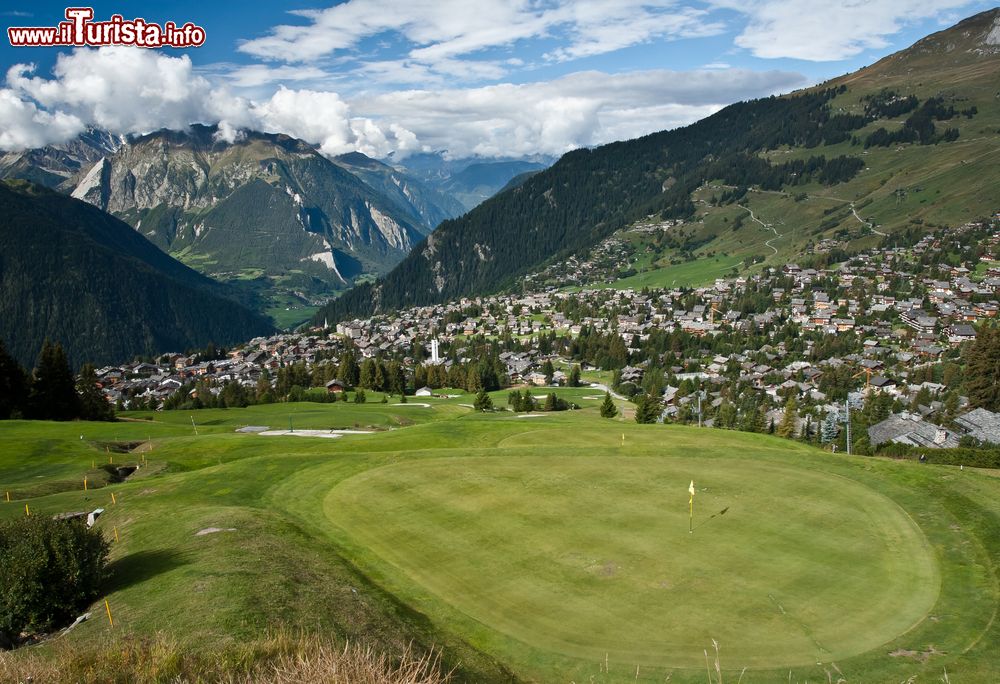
(436, 532)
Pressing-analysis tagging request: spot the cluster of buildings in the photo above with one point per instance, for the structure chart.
(883, 338)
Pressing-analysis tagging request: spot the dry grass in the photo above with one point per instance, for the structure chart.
(281, 658)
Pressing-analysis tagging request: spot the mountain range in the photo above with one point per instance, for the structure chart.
(908, 143)
(469, 181)
(73, 274)
(264, 211)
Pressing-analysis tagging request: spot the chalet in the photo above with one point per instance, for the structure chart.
(881, 384)
(335, 387)
(959, 333)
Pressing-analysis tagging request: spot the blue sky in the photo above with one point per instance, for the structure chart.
(474, 78)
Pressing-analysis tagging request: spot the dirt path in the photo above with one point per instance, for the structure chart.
(767, 226)
(871, 226)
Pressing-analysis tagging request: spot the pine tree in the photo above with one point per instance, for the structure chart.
(726, 417)
(93, 405)
(829, 429)
(348, 372)
(647, 409)
(549, 371)
(53, 391)
(514, 401)
(608, 408)
(474, 382)
(264, 395)
(574, 376)
(360, 397)
(786, 428)
(550, 402)
(13, 385)
(483, 401)
(528, 402)
(396, 378)
(983, 371)
(367, 377)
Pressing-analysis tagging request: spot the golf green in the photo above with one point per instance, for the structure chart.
(589, 558)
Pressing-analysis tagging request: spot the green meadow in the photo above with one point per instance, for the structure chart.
(551, 548)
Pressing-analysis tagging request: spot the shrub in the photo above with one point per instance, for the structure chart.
(974, 458)
(51, 570)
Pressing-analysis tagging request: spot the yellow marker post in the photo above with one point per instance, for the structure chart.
(108, 608)
(27, 511)
(113, 499)
(116, 534)
(84, 484)
(8, 497)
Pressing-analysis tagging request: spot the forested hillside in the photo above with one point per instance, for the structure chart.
(75, 275)
(588, 194)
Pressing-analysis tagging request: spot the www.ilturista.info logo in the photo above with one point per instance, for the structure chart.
(79, 29)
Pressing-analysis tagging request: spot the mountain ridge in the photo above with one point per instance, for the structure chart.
(264, 206)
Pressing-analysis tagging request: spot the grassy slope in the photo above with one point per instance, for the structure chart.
(286, 563)
(902, 185)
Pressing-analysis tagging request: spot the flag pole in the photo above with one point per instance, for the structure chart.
(691, 508)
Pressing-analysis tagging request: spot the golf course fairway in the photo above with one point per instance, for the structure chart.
(554, 549)
(591, 557)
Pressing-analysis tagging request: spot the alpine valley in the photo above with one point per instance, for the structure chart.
(677, 408)
(884, 154)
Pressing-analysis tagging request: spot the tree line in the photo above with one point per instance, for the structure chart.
(50, 391)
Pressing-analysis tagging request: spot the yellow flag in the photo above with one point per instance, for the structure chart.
(691, 507)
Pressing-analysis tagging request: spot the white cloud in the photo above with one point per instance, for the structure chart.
(24, 126)
(254, 75)
(135, 91)
(442, 28)
(598, 27)
(130, 90)
(804, 29)
(324, 119)
(439, 32)
(585, 108)
(127, 90)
